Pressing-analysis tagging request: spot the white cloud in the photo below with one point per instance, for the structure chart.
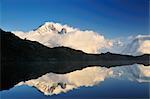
(145, 47)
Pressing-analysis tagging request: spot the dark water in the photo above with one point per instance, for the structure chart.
(109, 89)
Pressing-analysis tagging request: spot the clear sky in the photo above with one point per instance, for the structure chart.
(111, 18)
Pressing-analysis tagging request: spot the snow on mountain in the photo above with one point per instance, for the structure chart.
(54, 34)
(46, 28)
(139, 45)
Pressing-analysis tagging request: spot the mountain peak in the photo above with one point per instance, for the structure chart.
(51, 27)
(46, 27)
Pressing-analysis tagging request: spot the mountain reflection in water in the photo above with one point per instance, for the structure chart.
(110, 88)
(98, 82)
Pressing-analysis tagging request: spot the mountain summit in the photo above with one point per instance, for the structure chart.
(50, 27)
(47, 27)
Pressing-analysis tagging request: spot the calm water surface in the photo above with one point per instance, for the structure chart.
(108, 89)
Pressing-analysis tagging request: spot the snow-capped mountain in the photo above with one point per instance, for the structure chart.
(87, 41)
(54, 34)
(139, 45)
(47, 27)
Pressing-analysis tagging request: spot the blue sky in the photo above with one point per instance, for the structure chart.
(111, 18)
